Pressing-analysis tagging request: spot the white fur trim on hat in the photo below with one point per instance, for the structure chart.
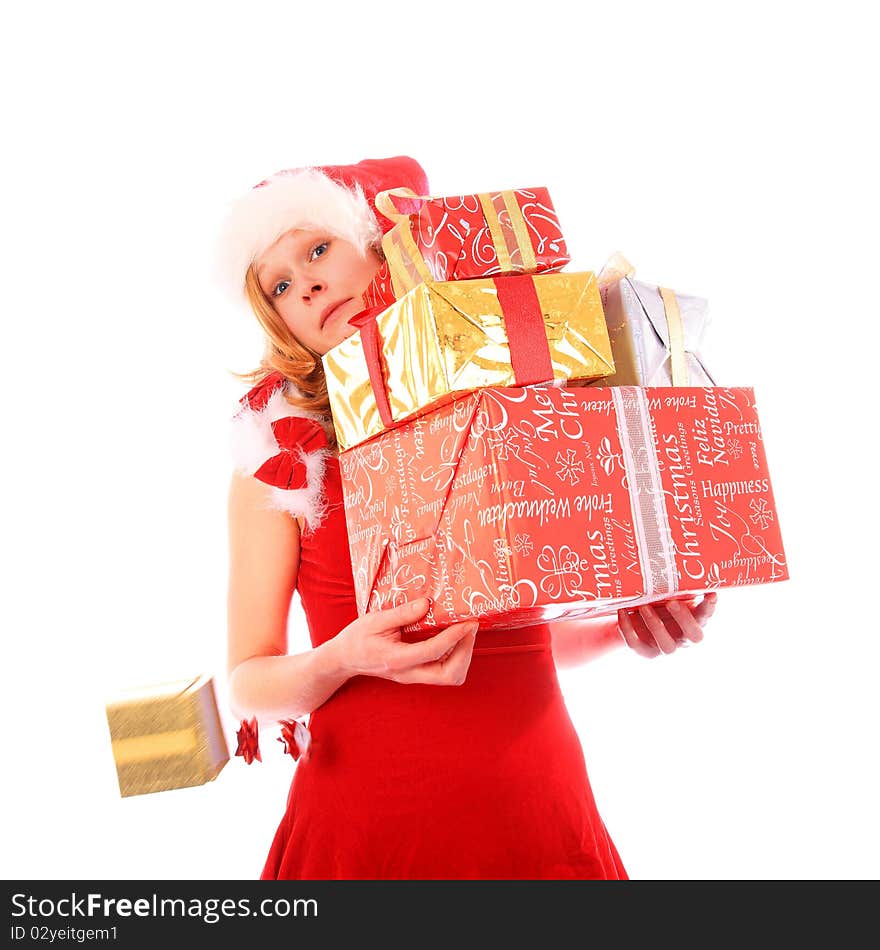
(252, 443)
(305, 198)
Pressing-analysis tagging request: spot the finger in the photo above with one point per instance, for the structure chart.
(662, 637)
(398, 616)
(405, 655)
(628, 631)
(647, 637)
(669, 621)
(450, 670)
(641, 630)
(706, 608)
(686, 620)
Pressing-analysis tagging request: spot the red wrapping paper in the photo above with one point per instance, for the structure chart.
(536, 503)
(462, 237)
(456, 242)
(379, 294)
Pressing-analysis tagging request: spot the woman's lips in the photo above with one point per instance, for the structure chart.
(332, 308)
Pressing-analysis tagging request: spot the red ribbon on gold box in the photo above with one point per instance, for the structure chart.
(445, 339)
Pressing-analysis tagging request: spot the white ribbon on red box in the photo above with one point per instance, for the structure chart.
(642, 467)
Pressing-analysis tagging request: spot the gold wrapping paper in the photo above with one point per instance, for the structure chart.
(167, 736)
(445, 339)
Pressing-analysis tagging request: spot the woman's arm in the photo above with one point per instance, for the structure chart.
(264, 681)
(263, 563)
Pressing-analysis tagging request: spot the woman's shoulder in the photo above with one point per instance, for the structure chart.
(259, 395)
(282, 445)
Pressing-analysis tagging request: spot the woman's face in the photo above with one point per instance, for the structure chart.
(315, 283)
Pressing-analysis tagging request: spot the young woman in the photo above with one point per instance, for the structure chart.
(452, 757)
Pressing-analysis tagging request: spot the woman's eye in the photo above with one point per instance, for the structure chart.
(280, 287)
(319, 249)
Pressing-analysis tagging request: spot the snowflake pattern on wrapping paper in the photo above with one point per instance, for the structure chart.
(761, 514)
(392, 485)
(569, 466)
(507, 444)
(734, 447)
(497, 444)
(501, 547)
(458, 573)
(523, 544)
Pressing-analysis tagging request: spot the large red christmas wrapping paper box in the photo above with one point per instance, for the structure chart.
(517, 505)
(462, 237)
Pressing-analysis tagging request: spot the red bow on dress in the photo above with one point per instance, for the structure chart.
(295, 737)
(248, 741)
(295, 436)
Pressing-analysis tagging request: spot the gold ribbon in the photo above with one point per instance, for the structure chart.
(676, 337)
(511, 237)
(405, 262)
(530, 265)
(157, 745)
(386, 206)
(491, 216)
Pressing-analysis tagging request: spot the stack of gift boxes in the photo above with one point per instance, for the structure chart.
(518, 443)
(523, 444)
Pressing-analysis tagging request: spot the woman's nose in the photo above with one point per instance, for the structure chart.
(311, 290)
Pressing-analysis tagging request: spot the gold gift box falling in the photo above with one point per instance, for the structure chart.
(167, 736)
(446, 338)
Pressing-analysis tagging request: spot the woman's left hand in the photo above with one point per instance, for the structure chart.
(663, 627)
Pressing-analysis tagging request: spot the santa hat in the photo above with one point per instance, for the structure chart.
(339, 199)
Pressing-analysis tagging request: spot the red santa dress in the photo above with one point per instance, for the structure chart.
(485, 780)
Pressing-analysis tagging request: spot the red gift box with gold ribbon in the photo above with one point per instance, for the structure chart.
(463, 237)
(526, 504)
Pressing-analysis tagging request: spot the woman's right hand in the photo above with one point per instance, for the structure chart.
(372, 646)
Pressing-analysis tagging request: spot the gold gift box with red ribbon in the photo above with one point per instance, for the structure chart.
(167, 736)
(445, 339)
(463, 237)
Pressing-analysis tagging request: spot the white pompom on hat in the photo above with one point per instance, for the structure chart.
(339, 199)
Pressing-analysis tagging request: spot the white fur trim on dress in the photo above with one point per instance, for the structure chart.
(252, 443)
(306, 198)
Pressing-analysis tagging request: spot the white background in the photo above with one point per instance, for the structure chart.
(728, 154)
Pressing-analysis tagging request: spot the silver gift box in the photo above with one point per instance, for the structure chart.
(639, 329)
